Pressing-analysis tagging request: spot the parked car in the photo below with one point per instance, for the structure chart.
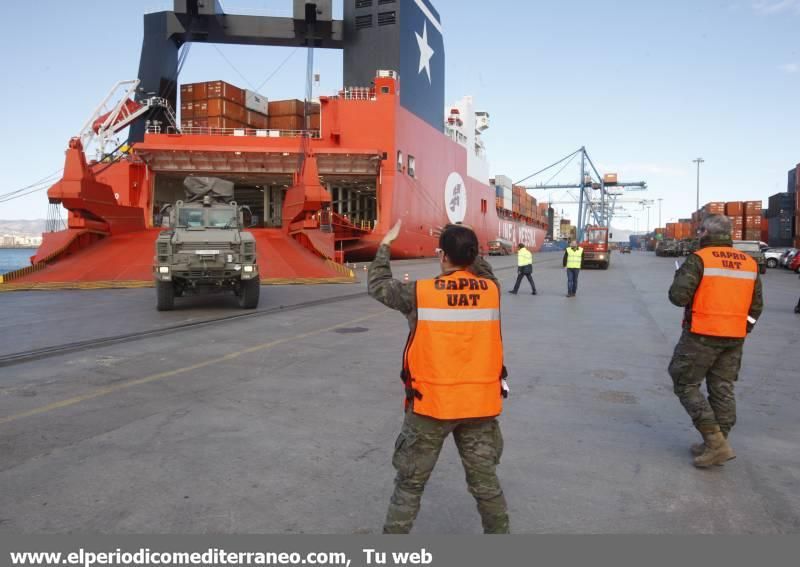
(500, 247)
(624, 249)
(773, 256)
(794, 265)
(753, 248)
(787, 256)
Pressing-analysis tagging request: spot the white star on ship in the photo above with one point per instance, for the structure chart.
(425, 51)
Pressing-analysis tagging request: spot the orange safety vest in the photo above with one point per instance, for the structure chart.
(722, 301)
(453, 361)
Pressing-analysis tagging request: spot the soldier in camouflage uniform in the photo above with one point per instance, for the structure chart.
(479, 441)
(713, 358)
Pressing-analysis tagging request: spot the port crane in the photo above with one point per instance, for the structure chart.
(600, 207)
(106, 121)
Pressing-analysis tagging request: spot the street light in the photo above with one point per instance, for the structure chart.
(698, 161)
(648, 219)
(659, 211)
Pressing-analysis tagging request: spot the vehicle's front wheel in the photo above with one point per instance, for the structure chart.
(249, 293)
(772, 263)
(165, 296)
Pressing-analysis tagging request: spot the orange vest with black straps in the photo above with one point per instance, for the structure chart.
(453, 361)
(723, 298)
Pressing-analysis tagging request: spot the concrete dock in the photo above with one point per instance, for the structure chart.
(284, 421)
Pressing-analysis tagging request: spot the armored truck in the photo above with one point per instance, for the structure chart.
(205, 248)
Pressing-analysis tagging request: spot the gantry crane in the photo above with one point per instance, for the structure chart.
(600, 207)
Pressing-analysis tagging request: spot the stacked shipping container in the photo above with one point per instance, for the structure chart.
(217, 104)
(514, 201)
(745, 216)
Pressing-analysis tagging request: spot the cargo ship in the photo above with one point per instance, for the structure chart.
(324, 179)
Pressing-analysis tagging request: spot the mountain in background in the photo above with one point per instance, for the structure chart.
(23, 227)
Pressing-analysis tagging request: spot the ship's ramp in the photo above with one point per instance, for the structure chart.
(126, 260)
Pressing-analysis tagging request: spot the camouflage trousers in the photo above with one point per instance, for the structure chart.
(695, 360)
(480, 445)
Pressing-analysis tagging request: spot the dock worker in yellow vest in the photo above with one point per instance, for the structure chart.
(720, 290)
(524, 268)
(453, 375)
(573, 262)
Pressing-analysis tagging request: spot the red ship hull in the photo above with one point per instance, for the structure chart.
(111, 207)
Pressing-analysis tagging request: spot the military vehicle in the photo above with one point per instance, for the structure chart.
(668, 248)
(753, 248)
(205, 248)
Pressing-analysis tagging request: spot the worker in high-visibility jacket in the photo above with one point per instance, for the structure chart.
(720, 289)
(453, 375)
(573, 262)
(524, 268)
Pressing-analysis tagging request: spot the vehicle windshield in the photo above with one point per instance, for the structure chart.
(222, 218)
(596, 236)
(190, 218)
(207, 218)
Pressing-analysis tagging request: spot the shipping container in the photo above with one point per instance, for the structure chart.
(734, 209)
(292, 122)
(780, 202)
(221, 89)
(714, 208)
(503, 181)
(215, 122)
(610, 178)
(226, 109)
(187, 110)
(752, 208)
(752, 221)
(256, 120)
(194, 91)
(255, 102)
(292, 107)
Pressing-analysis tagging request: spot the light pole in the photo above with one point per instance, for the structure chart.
(648, 219)
(698, 161)
(659, 211)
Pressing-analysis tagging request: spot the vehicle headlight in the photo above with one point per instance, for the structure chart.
(237, 267)
(248, 269)
(163, 269)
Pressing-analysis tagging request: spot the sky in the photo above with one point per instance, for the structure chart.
(646, 87)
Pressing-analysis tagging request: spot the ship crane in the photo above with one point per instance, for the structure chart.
(601, 208)
(104, 123)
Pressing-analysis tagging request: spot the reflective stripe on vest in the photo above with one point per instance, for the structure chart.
(574, 257)
(454, 359)
(524, 257)
(722, 301)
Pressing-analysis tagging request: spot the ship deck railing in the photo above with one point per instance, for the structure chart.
(241, 132)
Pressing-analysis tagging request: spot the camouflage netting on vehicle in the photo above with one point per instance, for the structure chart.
(214, 187)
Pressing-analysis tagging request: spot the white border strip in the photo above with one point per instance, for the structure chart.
(434, 22)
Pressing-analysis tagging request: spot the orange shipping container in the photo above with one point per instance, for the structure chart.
(292, 122)
(256, 120)
(292, 107)
(187, 110)
(226, 109)
(194, 91)
(221, 89)
(752, 208)
(753, 221)
(734, 209)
